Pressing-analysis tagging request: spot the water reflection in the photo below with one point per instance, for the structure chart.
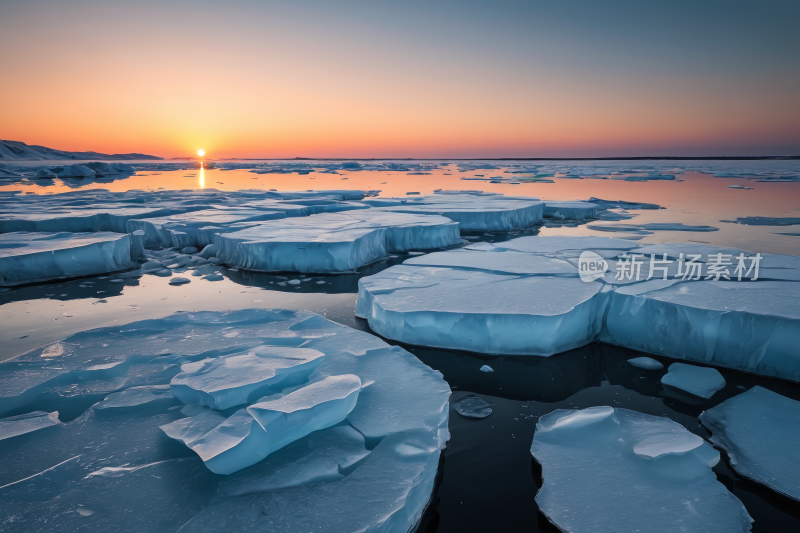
(202, 176)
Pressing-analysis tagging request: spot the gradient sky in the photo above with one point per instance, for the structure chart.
(403, 79)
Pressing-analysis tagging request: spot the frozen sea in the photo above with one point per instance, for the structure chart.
(488, 479)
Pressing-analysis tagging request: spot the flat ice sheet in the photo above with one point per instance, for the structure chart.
(612, 469)
(525, 296)
(759, 430)
(134, 461)
(35, 257)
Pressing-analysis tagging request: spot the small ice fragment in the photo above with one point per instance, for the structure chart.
(697, 380)
(293, 282)
(472, 406)
(189, 250)
(486, 368)
(179, 281)
(647, 363)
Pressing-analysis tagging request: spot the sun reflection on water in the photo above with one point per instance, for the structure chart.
(202, 176)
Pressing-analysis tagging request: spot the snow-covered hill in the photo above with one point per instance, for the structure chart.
(19, 151)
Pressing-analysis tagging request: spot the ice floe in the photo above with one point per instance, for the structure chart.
(524, 296)
(333, 242)
(605, 467)
(646, 363)
(758, 430)
(472, 212)
(101, 469)
(697, 380)
(35, 257)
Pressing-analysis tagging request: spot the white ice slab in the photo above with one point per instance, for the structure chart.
(759, 430)
(130, 466)
(36, 257)
(615, 469)
(335, 242)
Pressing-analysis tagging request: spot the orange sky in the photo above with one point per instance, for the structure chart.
(274, 80)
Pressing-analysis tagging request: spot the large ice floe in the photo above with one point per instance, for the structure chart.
(472, 212)
(525, 297)
(252, 420)
(759, 430)
(333, 242)
(35, 257)
(612, 469)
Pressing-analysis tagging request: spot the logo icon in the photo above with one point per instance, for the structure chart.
(591, 266)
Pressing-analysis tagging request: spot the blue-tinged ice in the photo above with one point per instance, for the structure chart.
(628, 471)
(332, 242)
(570, 210)
(231, 380)
(251, 434)
(320, 457)
(525, 297)
(645, 363)
(14, 426)
(37, 257)
(133, 460)
(759, 430)
(473, 213)
(697, 380)
(135, 397)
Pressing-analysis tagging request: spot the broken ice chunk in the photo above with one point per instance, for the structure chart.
(486, 368)
(647, 363)
(638, 472)
(231, 380)
(36, 257)
(697, 380)
(759, 430)
(472, 406)
(14, 426)
(319, 457)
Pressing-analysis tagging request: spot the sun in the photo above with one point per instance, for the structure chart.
(201, 152)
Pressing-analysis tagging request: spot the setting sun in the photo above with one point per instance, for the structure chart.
(201, 152)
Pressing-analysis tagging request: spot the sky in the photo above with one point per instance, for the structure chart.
(432, 79)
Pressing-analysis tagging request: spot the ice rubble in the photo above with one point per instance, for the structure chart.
(758, 430)
(630, 471)
(108, 468)
(524, 297)
(333, 242)
(35, 257)
(696, 380)
(473, 213)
